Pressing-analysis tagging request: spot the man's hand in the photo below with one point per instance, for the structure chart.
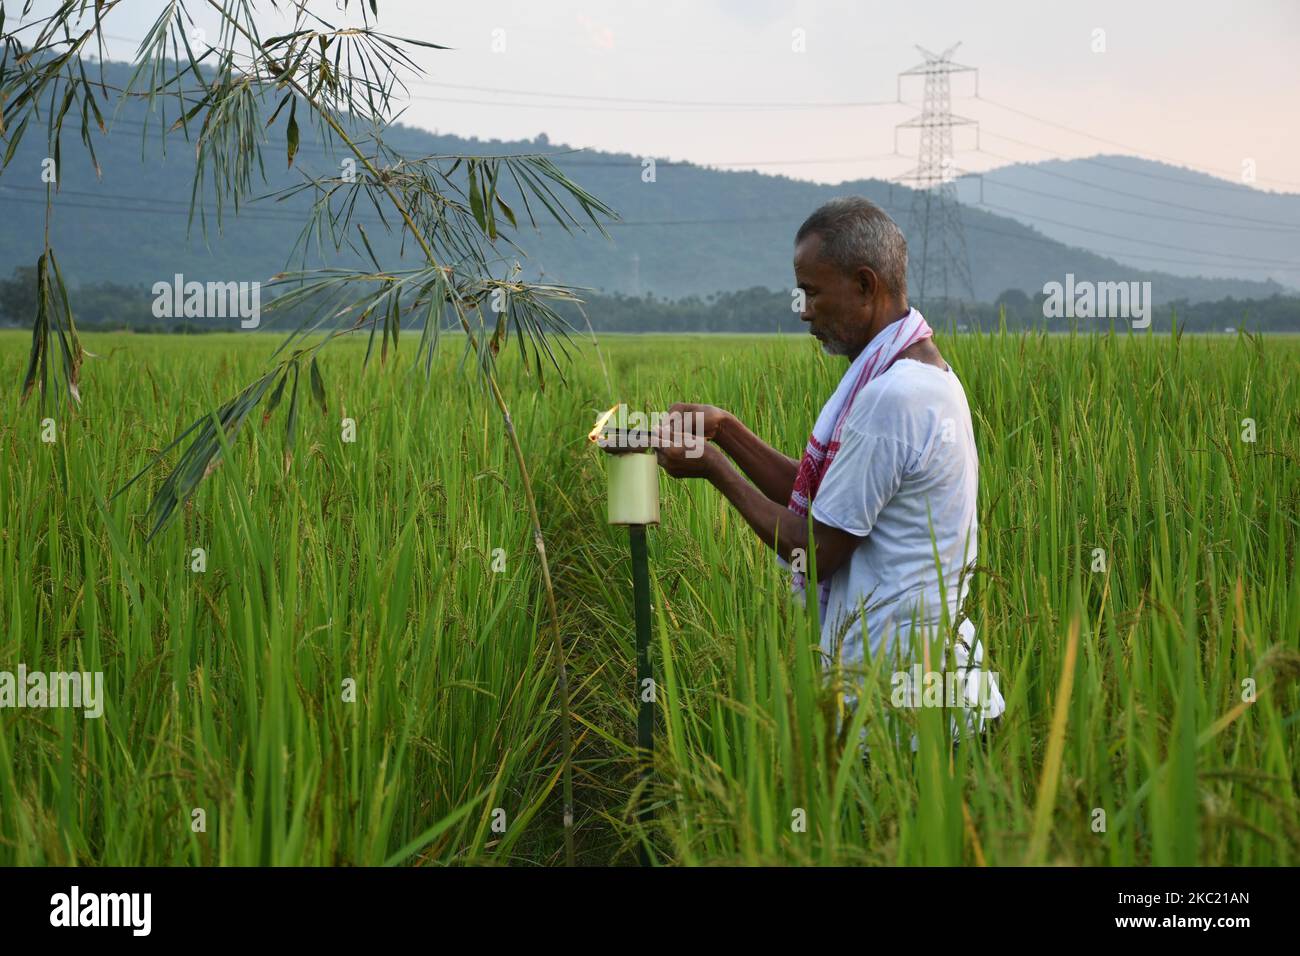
(691, 459)
(682, 440)
(766, 467)
(701, 420)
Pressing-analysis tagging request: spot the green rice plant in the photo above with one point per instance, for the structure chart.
(371, 562)
(1151, 686)
(1151, 690)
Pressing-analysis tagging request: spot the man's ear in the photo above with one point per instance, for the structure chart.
(868, 281)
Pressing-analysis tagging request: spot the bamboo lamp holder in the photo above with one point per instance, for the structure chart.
(632, 497)
(633, 494)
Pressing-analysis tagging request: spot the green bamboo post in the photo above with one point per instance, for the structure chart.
(633, 500)
(645, 711)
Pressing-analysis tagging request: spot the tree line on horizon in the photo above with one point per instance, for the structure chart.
(111, 306)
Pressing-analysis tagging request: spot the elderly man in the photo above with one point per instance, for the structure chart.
(890, 472)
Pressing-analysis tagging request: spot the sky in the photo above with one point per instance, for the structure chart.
(1200, 83)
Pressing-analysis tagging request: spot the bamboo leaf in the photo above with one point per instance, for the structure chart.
(291, 421)
(292, 135)
(318, 387)
(275, 397)
(475, 199)
(370, 342)
(269, 123)
(40, 331)
(369, 249)
(16, 139)
(509, 213)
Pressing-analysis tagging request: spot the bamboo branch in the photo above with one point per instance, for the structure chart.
(557, 643)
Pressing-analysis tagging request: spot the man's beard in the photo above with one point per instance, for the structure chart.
(834, 347)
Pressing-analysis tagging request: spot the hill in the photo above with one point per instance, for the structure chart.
(1150, 215)
(692, 231)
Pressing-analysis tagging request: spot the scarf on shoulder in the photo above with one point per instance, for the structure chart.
(824, 442)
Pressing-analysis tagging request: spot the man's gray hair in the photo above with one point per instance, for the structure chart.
(856, 232)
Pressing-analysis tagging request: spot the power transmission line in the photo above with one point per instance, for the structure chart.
(585, 108)
(1112, 142)
(633, 104)
(1164, 245)
(1256, 225)
(1144, 173)
(173, 207)
(560, 157)
(261, 216)
(741, 106)
(1040, 239)
(708, 106)
(724, 104)
(1120, 192)
(181, 206)
(919, 122)
(639, 100)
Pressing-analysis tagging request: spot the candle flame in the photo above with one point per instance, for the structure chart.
(594, 434)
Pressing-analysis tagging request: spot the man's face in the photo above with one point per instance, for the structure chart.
(837, 306)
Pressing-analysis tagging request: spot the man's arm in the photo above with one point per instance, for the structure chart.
(769, 469)
(778, 527)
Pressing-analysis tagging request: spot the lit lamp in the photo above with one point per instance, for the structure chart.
(632, 497)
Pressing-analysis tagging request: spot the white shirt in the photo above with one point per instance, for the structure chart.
(906, 465)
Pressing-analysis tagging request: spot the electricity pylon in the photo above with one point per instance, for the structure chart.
(936, 228)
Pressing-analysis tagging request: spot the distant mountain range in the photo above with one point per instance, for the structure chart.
(692, 231)
(1150, 214)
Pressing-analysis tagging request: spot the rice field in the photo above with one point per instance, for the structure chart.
(355, 667)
